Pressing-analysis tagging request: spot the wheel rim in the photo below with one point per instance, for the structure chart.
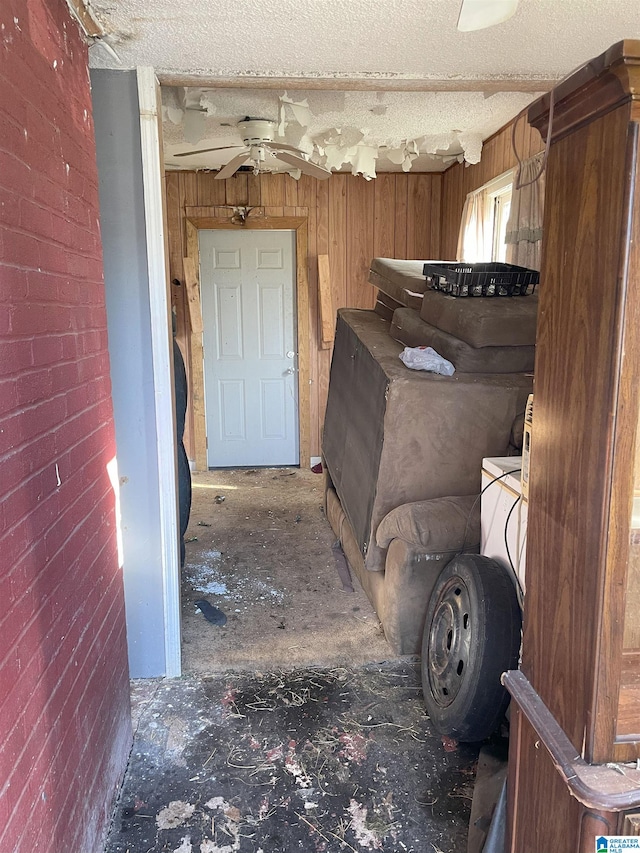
(449, 642)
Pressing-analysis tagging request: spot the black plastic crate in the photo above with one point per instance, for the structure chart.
(494, 279)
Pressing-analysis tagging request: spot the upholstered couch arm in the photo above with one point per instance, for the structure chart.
(437, 526)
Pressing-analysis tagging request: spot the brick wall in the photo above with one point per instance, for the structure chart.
(64, 708)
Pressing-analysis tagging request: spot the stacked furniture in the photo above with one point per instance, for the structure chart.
(403, 449)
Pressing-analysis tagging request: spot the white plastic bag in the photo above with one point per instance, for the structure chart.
(426, 358)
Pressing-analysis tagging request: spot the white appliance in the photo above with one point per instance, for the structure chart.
(526, 447)
(503, 513)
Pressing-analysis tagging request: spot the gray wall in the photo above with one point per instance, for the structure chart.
(117, 128)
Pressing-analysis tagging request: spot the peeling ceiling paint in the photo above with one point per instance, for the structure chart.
(397, 43)
(362, 132)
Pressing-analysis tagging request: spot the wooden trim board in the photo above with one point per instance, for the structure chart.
(327, 316)
(196, 366)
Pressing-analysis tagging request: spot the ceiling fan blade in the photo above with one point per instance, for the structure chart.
(233, 165)
(305, 166)
(479, 14)
(206, 150)
(280, 146)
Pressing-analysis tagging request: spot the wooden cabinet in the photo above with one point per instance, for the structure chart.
(577, 697)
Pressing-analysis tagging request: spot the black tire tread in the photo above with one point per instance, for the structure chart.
(482, 700)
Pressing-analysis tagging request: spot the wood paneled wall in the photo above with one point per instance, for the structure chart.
(459, 180)
(349, 219)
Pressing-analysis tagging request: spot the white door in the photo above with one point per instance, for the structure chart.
(250, 360)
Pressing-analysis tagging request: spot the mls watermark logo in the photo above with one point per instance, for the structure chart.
(616, 843)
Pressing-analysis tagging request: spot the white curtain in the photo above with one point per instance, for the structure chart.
(474, 240)
(524, 228)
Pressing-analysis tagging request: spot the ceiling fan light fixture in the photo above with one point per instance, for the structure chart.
(480, 14)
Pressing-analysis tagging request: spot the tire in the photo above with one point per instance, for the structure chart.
(184, 497)
(184, 472)
(471, 636)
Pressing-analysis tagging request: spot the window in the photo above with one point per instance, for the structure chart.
(484, 221)
(498, 205)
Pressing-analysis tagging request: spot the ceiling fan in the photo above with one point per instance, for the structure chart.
(480, 14)
(257, 136)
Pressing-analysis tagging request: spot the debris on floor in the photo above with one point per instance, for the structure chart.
(264, 557)
(211, 613)
(292, 731)
(322, 760)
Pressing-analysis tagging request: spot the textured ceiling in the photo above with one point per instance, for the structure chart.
(446, 123)
(413, 42)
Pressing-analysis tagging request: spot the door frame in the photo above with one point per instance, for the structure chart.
(207, 218)
(150, 105)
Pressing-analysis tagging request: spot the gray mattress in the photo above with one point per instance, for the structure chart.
(477, 321)
(403, 281)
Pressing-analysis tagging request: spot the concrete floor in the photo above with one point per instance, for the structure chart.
(259, 548)
(294, 728)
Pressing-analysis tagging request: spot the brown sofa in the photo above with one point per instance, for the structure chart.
(403, 452)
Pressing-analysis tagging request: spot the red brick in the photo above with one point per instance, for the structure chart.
(34, 386)
(62, 634)
(8, 395)
(9, 207)
(34, 219)
(43, 285)
(14, 466)
(46, 350)
(63, 376)
(14, 173)
(28, 319)
(48, 193)
(24, 426)
(15, 355)
(19, 249)
(53, 257)
(13, 283)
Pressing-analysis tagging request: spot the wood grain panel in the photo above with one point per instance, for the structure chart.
(307, 191)
(196, 397)
(304, 357)
(209, 190)
(419, 217)
(336, 221)
(360, 219)
(401, 211)
(435, 218)
(548, 817)
(254, 190)
(190, 181)
(325, 299)
(311, 214)
(385, 218)
(237, 189)
(578, 337)
(273, 190)
(347, 218)
(290, 191)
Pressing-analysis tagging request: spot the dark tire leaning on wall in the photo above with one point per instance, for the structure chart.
(184, 472)
(471, 636)
(184, 497)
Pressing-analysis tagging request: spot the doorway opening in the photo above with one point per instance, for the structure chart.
(198, 220)
(247, 284)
